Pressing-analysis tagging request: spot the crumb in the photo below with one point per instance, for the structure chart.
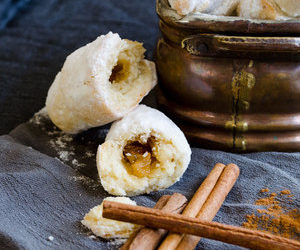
(117, 242)
(64, 155)
(89, 154)
(38, 116)
(106, 228)
(76, 164)
(50, 238)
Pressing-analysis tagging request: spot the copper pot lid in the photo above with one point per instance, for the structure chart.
(211, 23)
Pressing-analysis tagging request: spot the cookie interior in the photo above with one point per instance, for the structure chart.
(130, 76)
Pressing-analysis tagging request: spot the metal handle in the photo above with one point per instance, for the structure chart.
(209, 43)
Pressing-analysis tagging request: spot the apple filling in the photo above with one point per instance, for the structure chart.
(139, 157)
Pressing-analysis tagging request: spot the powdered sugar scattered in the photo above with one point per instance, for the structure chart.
(59, 140)
(77, 152)
(112, 243)
(65, 155)
(50, 238)
(89, 154)
(93, 237)
(76, 164)
(116, 243)
(61, 144)
(39, 116)
(95, 185)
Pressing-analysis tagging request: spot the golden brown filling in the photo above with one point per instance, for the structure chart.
(140, 158)
(120, 72)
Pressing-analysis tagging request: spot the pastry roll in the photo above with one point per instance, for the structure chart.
(143, 152)
(257, 9)
(290, 8)
(184, 7)
(99, 83)
(222, 7)
(106, 228)
(269, 9)
(212, 7)
(250, 9)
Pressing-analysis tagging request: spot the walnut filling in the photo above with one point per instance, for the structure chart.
(120, 72)
(139, 157)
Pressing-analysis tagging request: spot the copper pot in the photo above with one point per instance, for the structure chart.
(231, 84)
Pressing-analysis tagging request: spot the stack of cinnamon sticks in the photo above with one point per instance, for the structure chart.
(194, 221)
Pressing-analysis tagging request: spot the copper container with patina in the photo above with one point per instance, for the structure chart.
(230, 84)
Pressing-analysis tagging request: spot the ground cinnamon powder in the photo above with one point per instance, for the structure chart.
(278, 216)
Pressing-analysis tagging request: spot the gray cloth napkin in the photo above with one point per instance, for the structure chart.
(48, 181)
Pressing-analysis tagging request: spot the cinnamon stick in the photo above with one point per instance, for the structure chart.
(159, 205)
(213, 203)
(178, 223)
(149, 238)
(195, 204)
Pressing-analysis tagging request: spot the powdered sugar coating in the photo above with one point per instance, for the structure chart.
(171, 148)
(82, 96)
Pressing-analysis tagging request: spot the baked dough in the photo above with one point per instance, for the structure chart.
(184, 7)
(222, 7)
(269, 9)
(143, 152)
(106, 228)
(289, 7)
(212, 7)
(250, 9)
(256, 9)
(99, 83)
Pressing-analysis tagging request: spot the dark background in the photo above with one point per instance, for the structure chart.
(36, 36)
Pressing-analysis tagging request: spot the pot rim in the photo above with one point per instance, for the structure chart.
(212, 23)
